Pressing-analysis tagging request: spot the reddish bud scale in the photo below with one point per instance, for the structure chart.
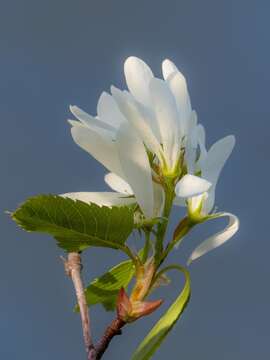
(129, 311)
(123, 306)
(143, 308)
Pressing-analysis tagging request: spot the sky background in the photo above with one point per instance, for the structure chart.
(56, 53)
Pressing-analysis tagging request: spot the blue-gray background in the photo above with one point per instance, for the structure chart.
(56, 53)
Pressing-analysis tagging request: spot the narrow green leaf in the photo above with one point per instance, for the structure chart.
(165, 324)
(105, 289)
(75, 224)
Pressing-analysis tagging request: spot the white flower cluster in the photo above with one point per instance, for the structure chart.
(148, 135)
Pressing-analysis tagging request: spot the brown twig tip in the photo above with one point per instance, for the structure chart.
(73, 267)
(72, 263)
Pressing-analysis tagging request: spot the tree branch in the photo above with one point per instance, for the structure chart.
(112, 330)
(73, 267)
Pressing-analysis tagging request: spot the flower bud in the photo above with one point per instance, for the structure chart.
(123, 306)
(143, 308)
(129, 311)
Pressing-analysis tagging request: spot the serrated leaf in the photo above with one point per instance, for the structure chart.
(105, 289)
(165, 324)
(75, 224)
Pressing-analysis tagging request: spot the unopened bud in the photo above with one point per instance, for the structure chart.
(123, 306)
(129, 311)
(143, 308)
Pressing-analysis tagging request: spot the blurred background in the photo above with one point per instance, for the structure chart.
(56, 53)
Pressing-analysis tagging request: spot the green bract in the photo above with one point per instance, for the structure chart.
(159, 332)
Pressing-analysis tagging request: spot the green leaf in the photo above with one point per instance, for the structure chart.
(165, 324)
(105, 289)
(75, 224)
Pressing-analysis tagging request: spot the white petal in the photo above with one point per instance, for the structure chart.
(124, 100)
(75, 123)
(201, 134)
(191, 144)
(192, 132)
(168, 67)
(190, 158)
(209, 202)
(136, 167)
(217, 157)
(159, 199)
(178, 86)
(195, 202)
(102, 148)
(138, 75)
(201, 142)
(88, 120)
(108, 110)
(121, 97)
(167, 118)
(101, 198)
(191, 185)
(213, 164)
(118, 184)
(108, 134)
(136, 118)
(217, 239)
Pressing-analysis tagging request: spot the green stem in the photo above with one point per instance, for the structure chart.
(164, 270)
(136, 260)
(167, 268)
(162, 226)
(180, 232)
(146, 246)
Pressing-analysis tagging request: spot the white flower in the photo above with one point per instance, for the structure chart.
(159, 110)
(209, 165)
(154, 113)
(148, 135)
